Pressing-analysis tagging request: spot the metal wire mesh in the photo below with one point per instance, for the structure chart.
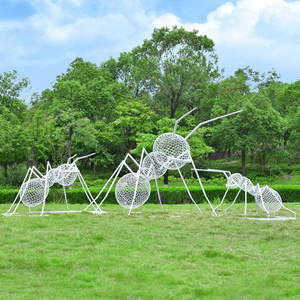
(66, 174)
(246, 184)
(269, 200)
(52, 176)
(175, 146)
(254, 190)
(154, 164)
(125, 190)
(234, 180)
(34, 192)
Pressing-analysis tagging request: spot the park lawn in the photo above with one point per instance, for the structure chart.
(175, 254)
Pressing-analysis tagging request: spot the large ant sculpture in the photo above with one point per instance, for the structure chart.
(170, 152)
(133, 189)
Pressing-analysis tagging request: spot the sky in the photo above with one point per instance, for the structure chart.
(40, 38)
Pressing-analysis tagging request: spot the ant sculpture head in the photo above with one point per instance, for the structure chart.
(175, 146)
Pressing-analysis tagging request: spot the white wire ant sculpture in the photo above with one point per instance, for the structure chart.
(133, 189)
(266, 198)
(178, 151)
(170, 152)
(35, 187)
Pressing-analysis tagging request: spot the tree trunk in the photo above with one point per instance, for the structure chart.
(172, 109)
(93, 167)
(166, 178)
(70, 141)
(5, 170)
(244, 162)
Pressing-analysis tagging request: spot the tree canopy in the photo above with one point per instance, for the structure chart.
(124, 103)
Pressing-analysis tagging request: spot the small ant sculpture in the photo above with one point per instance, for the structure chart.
(34, 191)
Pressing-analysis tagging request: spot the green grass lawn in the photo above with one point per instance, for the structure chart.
(175, 254)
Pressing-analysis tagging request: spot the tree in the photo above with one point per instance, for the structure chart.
(293, 143)
(134, 118)
(168, 67)
(10, 89)
(81, 71)
(14, 142)
(84, 92)
(39, 127)
(258, 125)
(169, 64)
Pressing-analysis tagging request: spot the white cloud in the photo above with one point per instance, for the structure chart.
(56, 23)
(251, 32)
(237, 24)
(166, 20)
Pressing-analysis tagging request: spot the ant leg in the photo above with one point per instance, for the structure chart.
(204, 193)
(137, 181)
(187, 189)
(233, 201)
(223, 198)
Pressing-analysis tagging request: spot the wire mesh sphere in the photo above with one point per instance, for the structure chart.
(234, 180)
(154, 164)
(175, 146)
(52, 176)
(269, 200)
(33, 192)
(246, 183)
(125, 190)
(66, 174)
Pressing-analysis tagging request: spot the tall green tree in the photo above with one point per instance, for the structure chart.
(14, 142)
(167, 66)
(84, 94)
(258, 125)
(293, 142)
(165, 69)
(11, 87)
(39, 127)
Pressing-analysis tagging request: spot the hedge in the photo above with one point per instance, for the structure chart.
(169, 195)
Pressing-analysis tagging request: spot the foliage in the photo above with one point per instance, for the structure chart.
(10, 89)
(124, 104)
(14, 142)
(167, 66)
(169, 195)
(259, 125)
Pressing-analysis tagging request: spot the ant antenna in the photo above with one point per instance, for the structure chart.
(205, 122)
(83, 157)
(177, 121)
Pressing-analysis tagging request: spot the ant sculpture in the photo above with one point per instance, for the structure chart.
(35, 187)
(133, 189)
(170, 152)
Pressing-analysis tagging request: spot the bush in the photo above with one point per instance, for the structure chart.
(169, 195)
(15, 176)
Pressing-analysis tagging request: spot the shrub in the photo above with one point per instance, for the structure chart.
(169, 195)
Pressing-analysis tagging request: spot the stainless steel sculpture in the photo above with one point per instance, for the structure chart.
(134, 189)
(35, 187)
(266, 198)
(170, 151)
(178, 152)
(270, 202)
(129, 187)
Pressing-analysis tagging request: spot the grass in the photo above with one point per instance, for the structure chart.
(175, 254)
